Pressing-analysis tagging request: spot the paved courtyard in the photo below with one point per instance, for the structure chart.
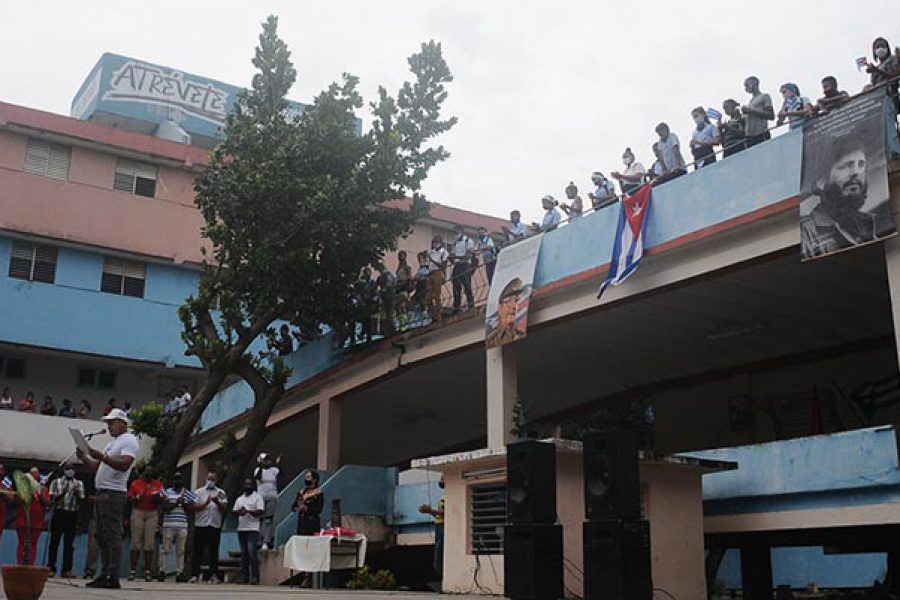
(61, 590)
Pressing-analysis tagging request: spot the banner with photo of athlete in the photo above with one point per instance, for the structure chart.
(844, 194)
(510, 294)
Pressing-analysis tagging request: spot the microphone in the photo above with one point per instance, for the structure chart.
(88, 436)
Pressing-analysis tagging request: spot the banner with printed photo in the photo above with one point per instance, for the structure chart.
(844, 195)
(510, 293)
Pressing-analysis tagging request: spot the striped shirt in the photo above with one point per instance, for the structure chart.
(173, 502)
(65, 493)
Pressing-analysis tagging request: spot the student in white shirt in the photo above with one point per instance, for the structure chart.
(552, 216)
(437, 263)
(249, 508)
(463, 249)
(210, 508)
(266, 475)
(516, 230)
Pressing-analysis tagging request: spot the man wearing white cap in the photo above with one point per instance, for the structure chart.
(112, 467)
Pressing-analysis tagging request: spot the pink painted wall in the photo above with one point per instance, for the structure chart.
(86, 210)
(674, 507)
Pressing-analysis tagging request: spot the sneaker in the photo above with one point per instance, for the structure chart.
(265, 546)
(112, 583)
(131, 575)
(88, 574)
(148, 576)
(194, 579)
(161, 576)
(99, 582)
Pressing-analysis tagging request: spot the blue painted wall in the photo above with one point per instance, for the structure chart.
(799, 566)
(859, 460)
(73, 314)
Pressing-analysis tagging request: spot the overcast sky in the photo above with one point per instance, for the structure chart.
(545, 92)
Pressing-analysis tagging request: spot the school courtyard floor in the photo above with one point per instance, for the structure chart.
(61, 590)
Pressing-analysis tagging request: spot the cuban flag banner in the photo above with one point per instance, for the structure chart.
(628, 248)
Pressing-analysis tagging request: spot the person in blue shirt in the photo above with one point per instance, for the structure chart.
(704, 139)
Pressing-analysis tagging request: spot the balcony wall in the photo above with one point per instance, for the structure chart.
(74, 315)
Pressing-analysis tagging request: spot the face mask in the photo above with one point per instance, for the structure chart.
(699, 120)
(210, 484)
(69, 474)
(881, 52)
(628, 160)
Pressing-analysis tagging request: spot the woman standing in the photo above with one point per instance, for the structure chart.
(308, 506)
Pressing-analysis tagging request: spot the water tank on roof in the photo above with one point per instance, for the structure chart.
(171, 130)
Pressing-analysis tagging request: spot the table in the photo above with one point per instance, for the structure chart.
(324, 553)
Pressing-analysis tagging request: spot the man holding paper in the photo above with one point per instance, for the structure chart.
(112, 467)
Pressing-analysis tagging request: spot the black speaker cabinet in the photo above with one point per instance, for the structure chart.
(617, 564)
(531, 482)
(612, 487)
(533, 562)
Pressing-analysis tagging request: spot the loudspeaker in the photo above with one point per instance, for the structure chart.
(533, 562)
(612, 486)
(617, 564)
(531, 483)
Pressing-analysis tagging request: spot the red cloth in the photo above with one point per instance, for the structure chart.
(344, 532)
(147, 490)
(26, 405)
(38, 510)
(20, 549)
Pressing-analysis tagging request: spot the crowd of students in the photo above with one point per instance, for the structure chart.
(48, 406)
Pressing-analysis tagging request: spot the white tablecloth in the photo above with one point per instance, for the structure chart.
(312, 553)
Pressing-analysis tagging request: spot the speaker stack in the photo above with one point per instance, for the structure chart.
(617, 562)
(533, 542)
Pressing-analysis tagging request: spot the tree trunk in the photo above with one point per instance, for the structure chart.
(170, 453)
(265, 400)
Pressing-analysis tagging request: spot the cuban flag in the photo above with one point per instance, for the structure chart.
(628, 248)
(861, 63)
(6, 484)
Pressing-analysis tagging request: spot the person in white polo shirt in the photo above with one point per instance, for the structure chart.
(249, 508)
(112, 466)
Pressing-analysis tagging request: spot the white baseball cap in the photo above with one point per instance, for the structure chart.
(116, 414)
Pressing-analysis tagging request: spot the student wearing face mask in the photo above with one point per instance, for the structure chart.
(308, 506)
(704, 139)
(211, 505)
(633, 176)
(886, 65)
(66, 494)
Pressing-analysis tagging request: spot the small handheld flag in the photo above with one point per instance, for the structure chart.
(713, 114)
(628, 248)
(861, 63)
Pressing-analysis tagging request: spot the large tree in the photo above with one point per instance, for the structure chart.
(294, 208)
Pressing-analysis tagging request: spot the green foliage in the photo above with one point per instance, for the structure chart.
(520, 419)
(227, 455)
(366, 579)
(294, 207)
(149, 420)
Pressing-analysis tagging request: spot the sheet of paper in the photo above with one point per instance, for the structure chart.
(80, 442)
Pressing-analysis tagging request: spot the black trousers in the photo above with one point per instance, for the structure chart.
(462, 280)
(206, 545)
(62, 526)
(109, 507)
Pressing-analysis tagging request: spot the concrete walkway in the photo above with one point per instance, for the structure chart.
(62, 590)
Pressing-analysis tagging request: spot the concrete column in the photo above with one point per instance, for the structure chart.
(329, 450)
(502, 389)
(196, 475)
(756, 572)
